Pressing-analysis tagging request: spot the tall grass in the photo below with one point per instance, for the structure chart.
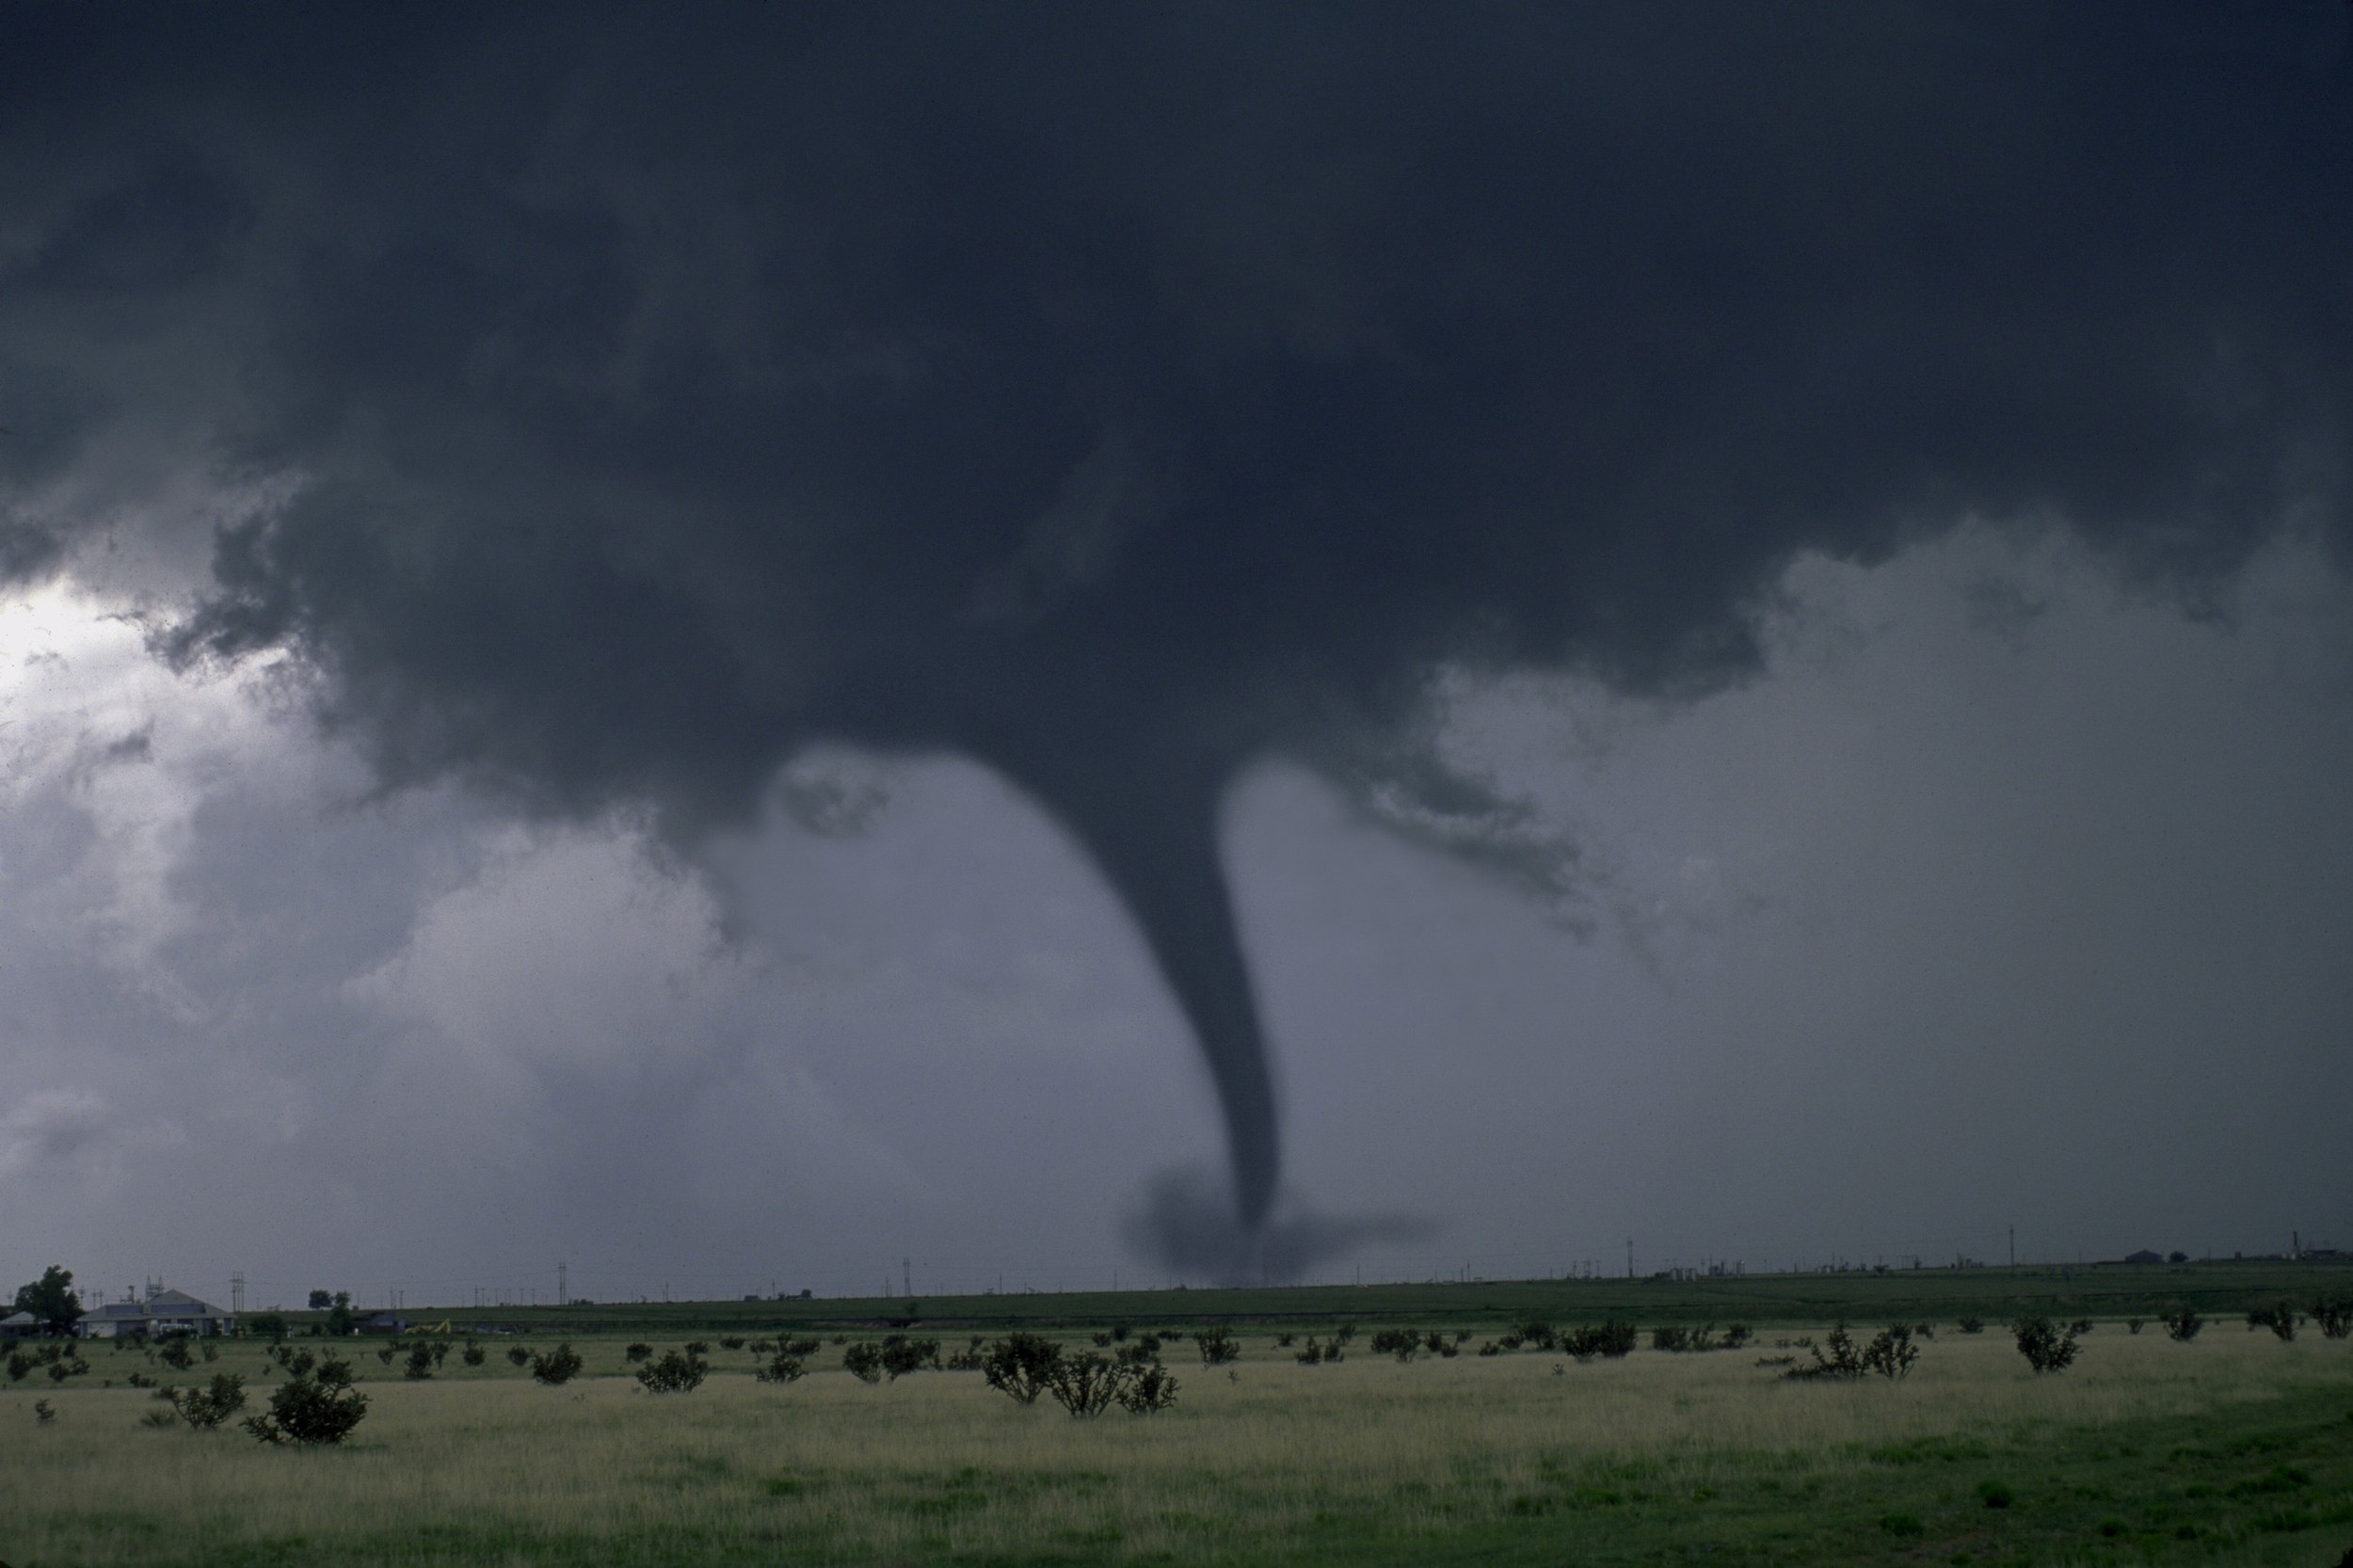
(1369, 1458)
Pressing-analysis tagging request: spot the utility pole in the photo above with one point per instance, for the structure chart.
(907, 1277)
(2013, 1247)
(562, 1288)
(236, 1293)
(1629, 1257)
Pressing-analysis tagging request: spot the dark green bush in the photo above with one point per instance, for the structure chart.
(207, 1408)
(1613, 1338)
(2335, 1316)
(2183, 1324)
(176, 1354)
(1402, 1343)
(1844, 1358)
(315, 1406)
(730, 1341)
(2046, 1347)
(473, 1355)
(788, 1362)
(558, 1366)
(673, 1372)
(518, 1355)
(1891, 1352)
(863, 1361)
(1971, 1325)
(1146, 1387)
(1021, 1365)
(421, 1361)
(637, 1353)
(2280, 1320)
(1084, 1385)
(901, 1355)
(1217, 1346)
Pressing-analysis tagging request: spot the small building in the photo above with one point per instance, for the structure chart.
(16, 1325)
(2144, 1255)
(164, 1312)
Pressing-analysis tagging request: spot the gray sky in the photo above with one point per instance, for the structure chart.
(740, 654)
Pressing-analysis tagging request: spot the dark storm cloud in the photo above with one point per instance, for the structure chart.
(1119, 395)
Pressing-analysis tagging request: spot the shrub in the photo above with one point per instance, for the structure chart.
(639, 1352)
(385, 1356)
(176, 1354)
(421, 1361)
(1535, 1331)
(1891, 1352)
(1346, 1335)
(263, 1325)
(697, 1348)
(1971, 1325)
(43, 1412)
(673, 1372)
(1021, 1365)
(1439, 1344)
(1146, 1388)
(1283, 1341)
(207, 1408)
(1993, 1494)
(1084, 1385)
(2183, 1324)
(473, 1355)
(863, 1361)
(1845, 1359)
(2280, 1320)
(1311, 1355)
(2132, 1325)
(557, 1367)
(1613, 1338)
(730, 1341)
(788, 1362)
(1736, 1336)
(518, 1354)
(2046, 1347)
(318, 1405)
(1402, 1343)
(2335, 1316)
(1217, 1346)
(901, 1355)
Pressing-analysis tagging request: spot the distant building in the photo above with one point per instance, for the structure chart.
(2144, 1255)
(17, 1324)
(162, 1312)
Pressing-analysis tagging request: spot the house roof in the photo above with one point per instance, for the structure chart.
(19, 1319)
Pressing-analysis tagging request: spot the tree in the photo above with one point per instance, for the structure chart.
(322, 1300)
(558, 1366)
(1021, 1365)
(2047, 1347)
(51, 1299)
(339, 1318)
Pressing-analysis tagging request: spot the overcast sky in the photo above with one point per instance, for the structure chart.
(754, 652)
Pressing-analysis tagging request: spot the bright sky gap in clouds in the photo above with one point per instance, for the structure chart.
(735, 650)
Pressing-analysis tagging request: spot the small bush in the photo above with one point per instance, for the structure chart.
(1402, 1343)
(557, 1367)
(2335, 1317)
(2182, 1326)
(2280, 1320)
(518, 1355)
(316, 1406)
(1283, 1341)
(673, 1372)
(176, 1354)
(863, 1361)
(1021, 1367)
(1671, 1337)
(1345, 1336)
(421, 1362)
(901, 1355)
(1535, 1331)
(697, 1348)
(1845, 1359)
(788, 1362)
(730, 1341)
(637, 1353)
(262, 1326)
(1312, 1355)
(1903, 1526)
(1613, 1338)
(44, 1412)
(473, 1355)
(2046, 1347)
(1891, 1352)
(1084, 1385)
(1146, 1388)
(1971, 1325)
(1217, 1346)
(1995, 1493)
(208, 1407)
(1737, 1336)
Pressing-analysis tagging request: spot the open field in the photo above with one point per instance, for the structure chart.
(2235, 1449)
(2100, 1290)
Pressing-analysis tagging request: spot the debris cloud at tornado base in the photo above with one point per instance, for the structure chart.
(1120, 397)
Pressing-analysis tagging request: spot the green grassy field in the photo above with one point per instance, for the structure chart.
(1862, 1295)
(2233, 1449)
